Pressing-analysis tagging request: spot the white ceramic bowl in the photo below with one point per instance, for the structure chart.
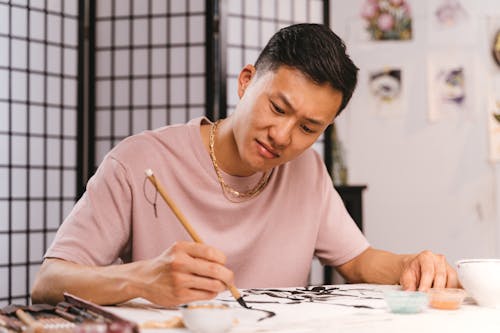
(207, 317)
(481, 279)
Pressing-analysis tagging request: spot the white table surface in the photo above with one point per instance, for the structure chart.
(340, 308)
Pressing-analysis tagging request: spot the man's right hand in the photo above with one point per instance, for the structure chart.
(185, 272)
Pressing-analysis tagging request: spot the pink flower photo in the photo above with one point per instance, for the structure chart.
(387, 19)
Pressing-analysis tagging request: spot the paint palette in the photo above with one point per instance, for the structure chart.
(400, 301)
(446, 298)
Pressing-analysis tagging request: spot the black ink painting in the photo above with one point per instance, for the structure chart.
(357, 298)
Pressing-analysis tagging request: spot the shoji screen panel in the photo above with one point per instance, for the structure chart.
(150, 66)
(38, 134)
(251, 23)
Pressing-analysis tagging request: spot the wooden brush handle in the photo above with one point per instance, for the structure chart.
(183, 220)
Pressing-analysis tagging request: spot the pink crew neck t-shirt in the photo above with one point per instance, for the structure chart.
(269, 240)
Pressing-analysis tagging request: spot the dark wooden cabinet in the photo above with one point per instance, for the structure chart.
(353, 201)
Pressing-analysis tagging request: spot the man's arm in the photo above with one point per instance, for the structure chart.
(102, 285)
(185, 272)
(412, 271)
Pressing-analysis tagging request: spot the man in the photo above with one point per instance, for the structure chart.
(250, 186)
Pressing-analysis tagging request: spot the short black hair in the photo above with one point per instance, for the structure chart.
(317, 52)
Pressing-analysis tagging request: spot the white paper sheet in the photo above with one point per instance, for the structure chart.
(343, 308)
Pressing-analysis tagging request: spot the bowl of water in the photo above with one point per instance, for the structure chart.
(401, 301)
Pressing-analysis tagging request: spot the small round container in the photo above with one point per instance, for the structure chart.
(400, 301)
(207, 317)
(446, 298)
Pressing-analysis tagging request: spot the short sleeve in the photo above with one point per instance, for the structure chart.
(339, 239)
(97, 230)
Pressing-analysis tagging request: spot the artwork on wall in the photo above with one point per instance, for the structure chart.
(493, 40)
(387, 19)
(448, 13)
(495, 48)
(449, 84)
(450, 22)
(386, 84)
(385, 87)
(493, 108)
(494, 118)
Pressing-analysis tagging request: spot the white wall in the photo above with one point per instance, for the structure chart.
(430, 185)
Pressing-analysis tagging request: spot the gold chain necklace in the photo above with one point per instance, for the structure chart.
(230, 193)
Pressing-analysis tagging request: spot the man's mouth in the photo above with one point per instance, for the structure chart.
(267, 151)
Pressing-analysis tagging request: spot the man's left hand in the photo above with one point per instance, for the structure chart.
(427, 270)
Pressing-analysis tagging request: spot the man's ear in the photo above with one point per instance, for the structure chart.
(246, 75)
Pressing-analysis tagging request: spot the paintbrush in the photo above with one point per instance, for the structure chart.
(68, 316)
(83, 315)
(121, 324)
(188, 227)
(32, 323)
(10, 324)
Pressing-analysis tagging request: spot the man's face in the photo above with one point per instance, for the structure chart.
(280, 114)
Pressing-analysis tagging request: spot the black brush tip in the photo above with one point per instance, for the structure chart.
(242, 303)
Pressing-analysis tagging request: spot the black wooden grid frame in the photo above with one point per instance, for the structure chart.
(38, 134)
(52, 138)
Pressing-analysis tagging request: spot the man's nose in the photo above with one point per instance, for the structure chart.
(281, 132)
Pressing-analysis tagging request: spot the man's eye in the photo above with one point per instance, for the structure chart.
(277, 108)
(307, 129)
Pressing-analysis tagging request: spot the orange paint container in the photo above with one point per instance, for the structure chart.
(446, 298)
